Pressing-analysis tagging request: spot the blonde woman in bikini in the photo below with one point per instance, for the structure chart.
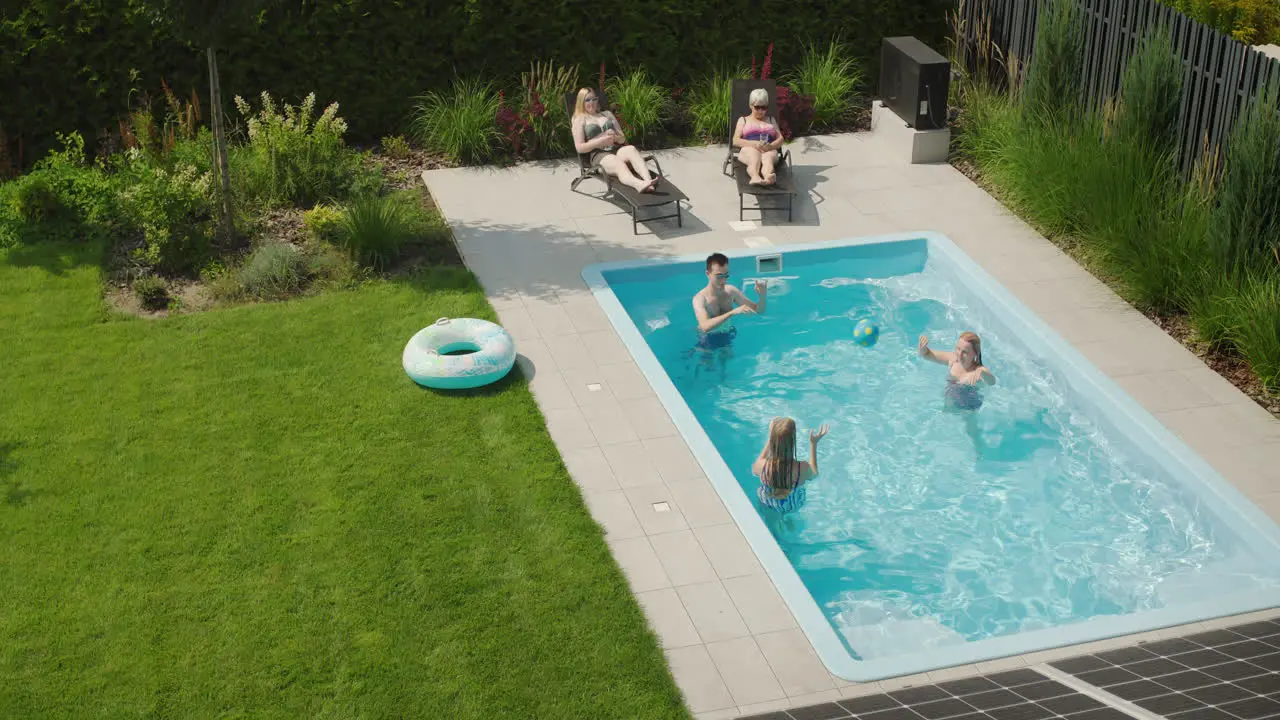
(597, 132)
(758, 138)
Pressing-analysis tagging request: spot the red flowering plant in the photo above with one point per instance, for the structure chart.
(535, 114)
(795, 111)
(522, 127)
(514, 127)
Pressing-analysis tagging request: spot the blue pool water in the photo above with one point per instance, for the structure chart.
(930, 528)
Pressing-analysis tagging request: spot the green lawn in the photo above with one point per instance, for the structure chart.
(254, 513)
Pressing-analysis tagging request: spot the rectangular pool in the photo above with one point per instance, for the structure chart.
(1059, 512)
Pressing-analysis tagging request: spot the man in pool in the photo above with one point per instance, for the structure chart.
(717, 303)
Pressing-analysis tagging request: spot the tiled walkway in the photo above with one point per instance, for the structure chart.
(732, 644)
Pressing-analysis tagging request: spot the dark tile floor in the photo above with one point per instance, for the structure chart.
(1230, 674)
(1226, 674)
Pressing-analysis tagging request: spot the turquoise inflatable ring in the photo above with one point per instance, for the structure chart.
(427, 360)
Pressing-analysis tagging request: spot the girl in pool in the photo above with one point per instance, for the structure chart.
(782, 476)
(965, 370)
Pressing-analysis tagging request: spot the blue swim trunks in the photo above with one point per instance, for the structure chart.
(791, 503)
(717, 339)
(963, 397)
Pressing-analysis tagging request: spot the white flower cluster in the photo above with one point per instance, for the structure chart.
(294, 120)
(189, 176)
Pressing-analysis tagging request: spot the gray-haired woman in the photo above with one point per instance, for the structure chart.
(758, 138)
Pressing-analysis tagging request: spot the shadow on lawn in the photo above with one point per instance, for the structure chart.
(519, 376)
(57, 258)
(13, 493)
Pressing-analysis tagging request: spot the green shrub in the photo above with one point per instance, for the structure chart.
(1053, 79)
(88, 190)
(460, 123)
(195, 152)
(1152, 86)
(291, 157)
(323, 223)
(375, 230)
(1254, 22)
(641, 104)
(709, 100)
(1119, 199)
(34, 200)
(1134, 214)
(1254, 324)
(395, 146)
(63, 198)
(174, 212)
(273, 271)
(1246, 222)
(152, 292)
(830, 77)
(11, 228)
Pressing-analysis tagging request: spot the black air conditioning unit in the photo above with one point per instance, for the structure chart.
(914, 82)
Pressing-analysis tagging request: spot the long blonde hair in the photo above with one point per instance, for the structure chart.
(781, 472)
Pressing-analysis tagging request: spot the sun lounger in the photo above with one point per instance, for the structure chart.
(664, 194)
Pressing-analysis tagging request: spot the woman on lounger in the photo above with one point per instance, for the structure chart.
(597, 131)
(758, 138)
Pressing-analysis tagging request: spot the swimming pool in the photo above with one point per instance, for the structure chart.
(1060, 512)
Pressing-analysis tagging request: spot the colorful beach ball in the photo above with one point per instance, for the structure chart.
(866, 333)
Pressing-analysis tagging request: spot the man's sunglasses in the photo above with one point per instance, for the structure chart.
(722, 276)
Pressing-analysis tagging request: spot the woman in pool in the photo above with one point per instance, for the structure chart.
(965, 370)
(782, 476)
(758, 138)
(597, 131)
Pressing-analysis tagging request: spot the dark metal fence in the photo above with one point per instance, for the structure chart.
(1221, 74)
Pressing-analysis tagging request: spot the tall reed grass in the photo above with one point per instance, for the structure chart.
(459, 123)
(1105, 182)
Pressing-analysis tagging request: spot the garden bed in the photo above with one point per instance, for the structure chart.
(1228, 364)
(1194, 253)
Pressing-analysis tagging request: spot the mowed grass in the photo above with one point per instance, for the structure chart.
(254, 513)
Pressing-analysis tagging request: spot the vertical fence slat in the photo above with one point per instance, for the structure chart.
(1093, 71)
(1229, 81)
(1086, 84)
(1197, 57)
(1217, 62)
(1186, 132)
(1124, 47)
(1109, 54)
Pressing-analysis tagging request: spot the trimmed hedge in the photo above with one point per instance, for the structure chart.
(68, 64)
